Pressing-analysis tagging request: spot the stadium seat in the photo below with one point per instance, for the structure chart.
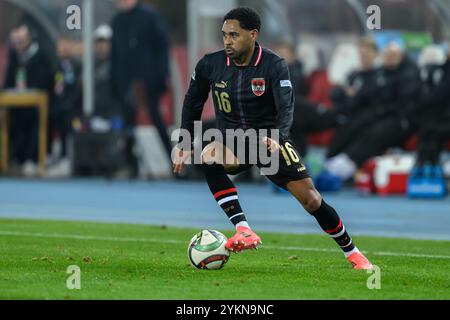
(320, 88)
(411, 144)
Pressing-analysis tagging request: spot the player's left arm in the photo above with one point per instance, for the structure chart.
(283, 97)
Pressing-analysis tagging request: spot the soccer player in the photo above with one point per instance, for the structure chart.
(252, 90)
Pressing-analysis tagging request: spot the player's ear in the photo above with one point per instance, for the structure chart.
(254, 34)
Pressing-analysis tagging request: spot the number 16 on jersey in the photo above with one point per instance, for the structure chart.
(223, 100)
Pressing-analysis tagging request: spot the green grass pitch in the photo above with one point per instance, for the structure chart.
(120, 261)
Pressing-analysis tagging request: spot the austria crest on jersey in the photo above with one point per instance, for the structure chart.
(258, 86)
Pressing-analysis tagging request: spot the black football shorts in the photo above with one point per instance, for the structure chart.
(290, 165)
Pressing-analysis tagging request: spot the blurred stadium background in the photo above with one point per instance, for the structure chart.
(93, 181)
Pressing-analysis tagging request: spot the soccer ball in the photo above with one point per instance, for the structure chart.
(207, 250)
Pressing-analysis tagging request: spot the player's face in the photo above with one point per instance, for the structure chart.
(126, 5)
(237, 41)
(367, 56)
(20, 39)
(63, 48)
(392, 57)
(102, 49)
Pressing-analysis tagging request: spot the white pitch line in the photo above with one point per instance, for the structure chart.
(150, 240)
(83, 237)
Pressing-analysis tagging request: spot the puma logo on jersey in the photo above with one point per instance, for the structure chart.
(222, 84)
(301, 169)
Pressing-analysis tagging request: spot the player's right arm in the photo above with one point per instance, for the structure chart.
(194, 101)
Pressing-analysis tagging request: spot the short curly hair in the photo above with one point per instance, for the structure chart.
(368, 42)
(248, 18)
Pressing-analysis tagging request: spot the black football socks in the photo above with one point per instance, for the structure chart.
(224, 193)
(331, 223)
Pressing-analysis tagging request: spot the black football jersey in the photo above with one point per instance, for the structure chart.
(257, 96)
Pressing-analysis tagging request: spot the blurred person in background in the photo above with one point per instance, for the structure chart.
(356, 97)
(433, 110)
(393, 118)
(29, 68)
(67, 102)
(286, 49)
(309, 117)
(106, 104)
(140, 55)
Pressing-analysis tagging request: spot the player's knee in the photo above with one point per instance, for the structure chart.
(208, 155)
(312, 200)
(305, 192)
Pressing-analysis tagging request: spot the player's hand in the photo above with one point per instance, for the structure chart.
(351, 92)
(271, 144)
(179, 157)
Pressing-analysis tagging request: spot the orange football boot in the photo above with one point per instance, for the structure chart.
(244, 239)
(359, 261)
